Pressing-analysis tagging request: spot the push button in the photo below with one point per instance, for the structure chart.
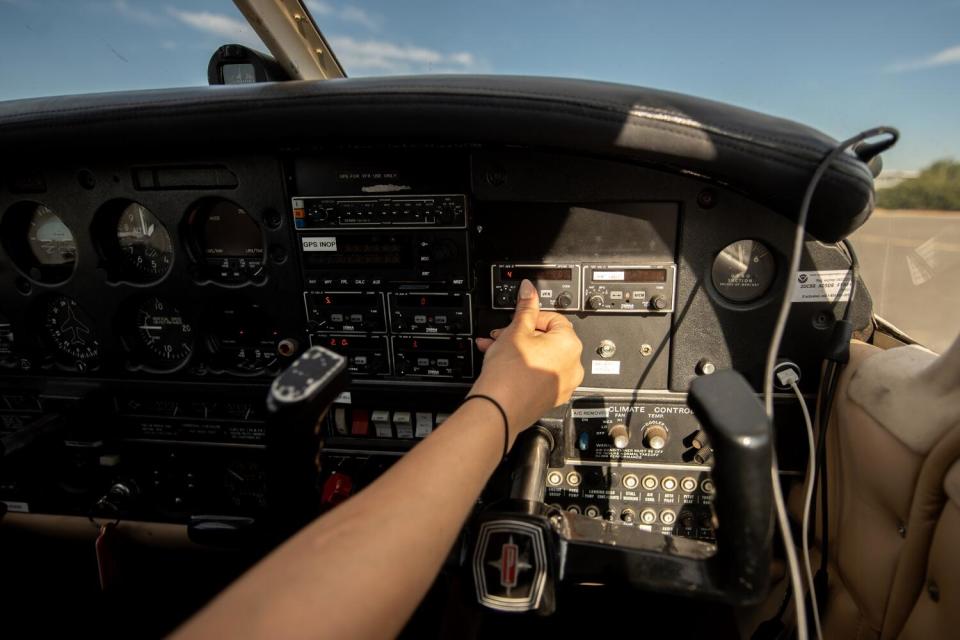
(381, 424)
(403, 424)
(360, 424)
(424, 424)
(340, 420)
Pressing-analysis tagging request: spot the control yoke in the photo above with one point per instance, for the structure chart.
(297, 402)
(521, 548)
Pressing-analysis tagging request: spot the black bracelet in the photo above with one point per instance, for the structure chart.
(503, 414)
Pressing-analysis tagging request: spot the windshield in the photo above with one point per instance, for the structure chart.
(839, 67)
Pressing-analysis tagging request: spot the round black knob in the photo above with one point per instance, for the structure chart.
(563, 301)
(596, 302)
(506, 298)
(658, 302)
(444, 251)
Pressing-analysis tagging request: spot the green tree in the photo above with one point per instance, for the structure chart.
(937, 187)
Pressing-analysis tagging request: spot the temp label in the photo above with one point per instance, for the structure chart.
(605, 367)
(822, 286)
(319, 244)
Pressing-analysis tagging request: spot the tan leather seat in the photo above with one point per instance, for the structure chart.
(894, 482)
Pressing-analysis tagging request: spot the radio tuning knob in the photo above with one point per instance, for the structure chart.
(596, 302)
(563, 301)
(658, 302)
(620, 435)
(443, 251)
(655, 436)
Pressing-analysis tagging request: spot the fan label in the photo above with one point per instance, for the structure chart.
(822, 286)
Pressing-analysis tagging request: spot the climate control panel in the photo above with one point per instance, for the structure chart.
(643, 463)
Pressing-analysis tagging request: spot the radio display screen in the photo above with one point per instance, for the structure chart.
(630, 275)
(510, 274)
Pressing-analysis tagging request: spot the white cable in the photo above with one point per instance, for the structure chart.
(793, 564)
(807, 500)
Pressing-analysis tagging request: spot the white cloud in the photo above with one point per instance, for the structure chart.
(137, 14)
(380, 56)
(218, 24)
(950, 55)
(346, 13)
(318, 8)
(359, 56)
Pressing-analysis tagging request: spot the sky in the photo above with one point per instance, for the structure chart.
(839, 66)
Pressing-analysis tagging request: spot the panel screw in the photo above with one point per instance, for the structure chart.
(645, 350)
(272, 218)
(86, 179)
(496, 176)
(934, 591)
(707, 199)
(902, 530)
(278, 254)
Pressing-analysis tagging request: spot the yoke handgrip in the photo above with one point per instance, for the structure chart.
(742, 440)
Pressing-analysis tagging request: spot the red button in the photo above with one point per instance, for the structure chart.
(337, 488)
(360, 423)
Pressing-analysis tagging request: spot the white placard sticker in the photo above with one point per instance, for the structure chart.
(822, 286)
(605, 367)
(593, 412)
(17, 507)
(319, 244)
(607, 275)
(343, 398)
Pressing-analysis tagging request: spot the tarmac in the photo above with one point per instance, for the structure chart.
(910, 262)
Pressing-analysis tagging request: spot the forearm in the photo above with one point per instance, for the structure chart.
(401, 529)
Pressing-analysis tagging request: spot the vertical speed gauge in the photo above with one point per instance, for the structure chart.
(163, 335)
(743, 271)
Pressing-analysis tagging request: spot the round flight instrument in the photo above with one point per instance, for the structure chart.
(50, 240)
(227, 242)
(69, 331)
(163, 332)
(240, 338)
(144, 242)
(744, 271)
(39, 242)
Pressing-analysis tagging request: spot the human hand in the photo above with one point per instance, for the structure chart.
(531, 365)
